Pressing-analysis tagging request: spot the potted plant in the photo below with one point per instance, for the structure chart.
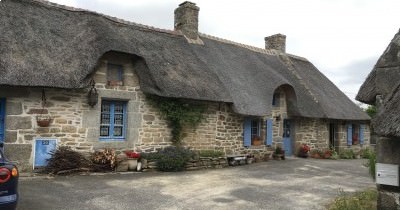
(256, 141)
(132, 159)
(43, 119)
(316, 153)
(327, 154)
(304, 150)
(279, 153)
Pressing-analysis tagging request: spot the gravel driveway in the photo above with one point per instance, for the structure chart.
(289, 184)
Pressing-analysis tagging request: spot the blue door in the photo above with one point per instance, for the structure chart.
(287, 140)
(43, 147)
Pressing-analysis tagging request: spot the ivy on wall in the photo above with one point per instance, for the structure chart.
(179, 114)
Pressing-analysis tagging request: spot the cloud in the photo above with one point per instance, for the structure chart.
(350, 77)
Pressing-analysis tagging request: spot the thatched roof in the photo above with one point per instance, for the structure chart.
(384, 80)
(48, 45)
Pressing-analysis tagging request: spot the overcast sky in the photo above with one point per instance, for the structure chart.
(342, 38)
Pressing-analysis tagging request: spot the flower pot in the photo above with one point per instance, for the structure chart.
(132, 164)
(256, 142)
(43, 122)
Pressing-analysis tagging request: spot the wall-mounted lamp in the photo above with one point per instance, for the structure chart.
(93, 96)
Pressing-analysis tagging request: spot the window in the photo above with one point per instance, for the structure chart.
(255, 128)
(251, 132)
(113, 120)
(114, 74)
(275, 99)
(2, 117)
(286, 129)
(255, 132)
(355, 134)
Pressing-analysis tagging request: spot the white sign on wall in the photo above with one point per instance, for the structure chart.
(387, 174)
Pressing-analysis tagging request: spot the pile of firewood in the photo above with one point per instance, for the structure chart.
(64, 160)
(104, 160)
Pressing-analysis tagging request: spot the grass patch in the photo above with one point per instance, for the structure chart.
(363, 200)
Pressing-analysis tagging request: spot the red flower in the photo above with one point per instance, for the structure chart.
(132, 154)
(305, 148)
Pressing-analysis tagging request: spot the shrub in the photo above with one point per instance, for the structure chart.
(364, 200)
(335, 155)
(347, 154)
(366, 153)
(173, 158)
(64, 159)
(279, 151)
(371, 163)
(316, 153)
(211, 153)
(152, 156)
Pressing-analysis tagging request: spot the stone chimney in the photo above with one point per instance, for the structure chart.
(276, 42)
(187, 19)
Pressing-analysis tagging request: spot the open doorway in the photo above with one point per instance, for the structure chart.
(333, 137)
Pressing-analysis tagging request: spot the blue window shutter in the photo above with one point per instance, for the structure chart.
(269, 132)
(361, 133)
(349, 134)
(247, 132)
(2, 117)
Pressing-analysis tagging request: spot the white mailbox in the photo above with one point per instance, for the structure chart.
(387, 174)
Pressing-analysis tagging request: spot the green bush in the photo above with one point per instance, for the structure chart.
(364, 200)
(347, 154)
(371, 163)
(152, 156)
(173, 158)
(366, 153)
(211, 153)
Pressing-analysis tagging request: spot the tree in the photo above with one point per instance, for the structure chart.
(371, 110)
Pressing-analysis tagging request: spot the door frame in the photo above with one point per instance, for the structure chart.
(333, 136)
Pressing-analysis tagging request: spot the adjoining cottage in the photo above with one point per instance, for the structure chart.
(54, 54)
(381, 88)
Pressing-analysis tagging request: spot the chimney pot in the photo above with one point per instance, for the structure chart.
(276, 42)
(187, 19)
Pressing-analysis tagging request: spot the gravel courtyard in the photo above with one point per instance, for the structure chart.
(289, 184)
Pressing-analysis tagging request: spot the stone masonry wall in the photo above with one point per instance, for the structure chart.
(313, 132)
(24, 105)
(76, 124)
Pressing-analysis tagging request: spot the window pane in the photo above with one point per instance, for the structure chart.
(104, 130)
(117, 131)
(254, 128)
(119, 108)
(118, 119)
(105, 107)
(105, 119)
